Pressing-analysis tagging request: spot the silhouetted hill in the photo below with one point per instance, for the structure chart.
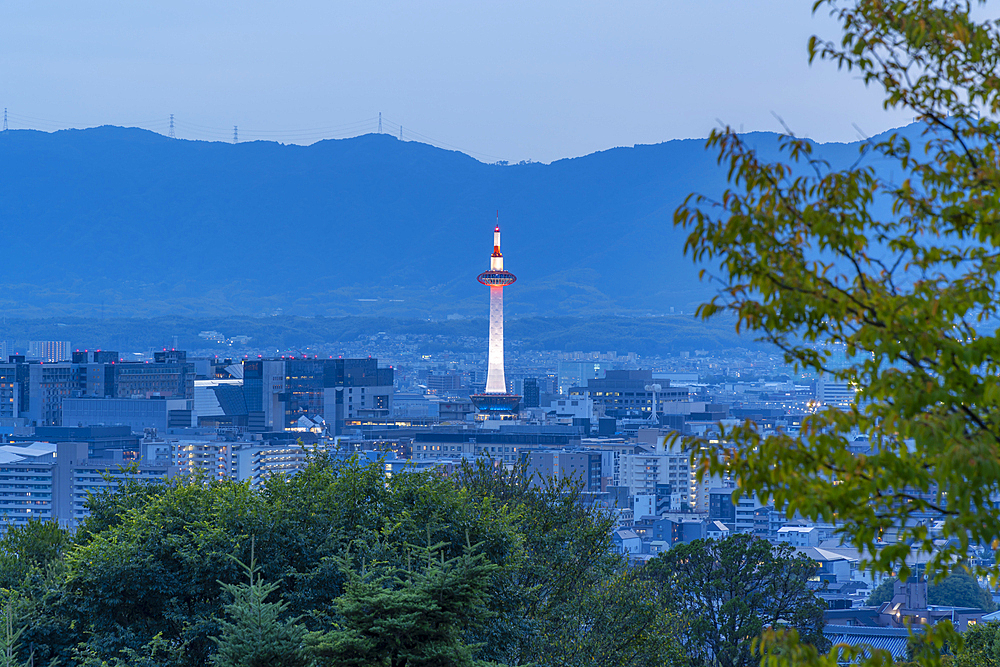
(127, 222)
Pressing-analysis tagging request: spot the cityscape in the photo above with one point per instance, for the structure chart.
(78, 422)
(500, 334)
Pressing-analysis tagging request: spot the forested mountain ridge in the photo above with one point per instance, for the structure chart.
(126, 221)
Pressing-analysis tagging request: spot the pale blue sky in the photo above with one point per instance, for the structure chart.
(500, 80)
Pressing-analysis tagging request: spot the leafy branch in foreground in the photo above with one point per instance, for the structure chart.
(902, 274)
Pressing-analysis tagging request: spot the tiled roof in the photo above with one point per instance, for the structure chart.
(893, 640)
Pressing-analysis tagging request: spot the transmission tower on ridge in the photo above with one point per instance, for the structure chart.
(5, 119)
(400, 132)
(380, 122)
(236, 136)
(171, 134)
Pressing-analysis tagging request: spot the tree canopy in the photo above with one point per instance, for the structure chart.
(728, 591)
(337, 564)
(898, 267)
(981, 647)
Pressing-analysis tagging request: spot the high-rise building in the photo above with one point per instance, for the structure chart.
(213, 458)
(49, 481)
(138, 414)
(661, 462)
(49, 350)
(833, 393)
(531, 398)
(581, 465)
(170, 375)
(496, 399)
(95, 357)
(444, 382)
(280, 392)
(258, 462)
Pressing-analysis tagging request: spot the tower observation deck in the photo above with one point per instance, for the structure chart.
(496, 399)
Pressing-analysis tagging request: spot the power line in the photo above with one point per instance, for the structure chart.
(442, 144)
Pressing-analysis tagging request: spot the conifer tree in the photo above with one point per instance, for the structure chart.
(411, 618)
(9, 637)
(257, 636)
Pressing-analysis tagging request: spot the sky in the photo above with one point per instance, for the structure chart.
(507, 80)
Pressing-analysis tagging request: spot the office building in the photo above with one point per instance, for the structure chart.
(138, 414)
(47, 481)
(221, 402)
(99, 439)
(580, 465)
(834, 393)
(278, 392)
(27, 478)
(95, 357)
(12, 390)
(577, 373)
(444, 383)
(169, 376)
(629, 394)
(36, 390)
(721, 507)
(47, 385)
(49, 350)
(531, 393)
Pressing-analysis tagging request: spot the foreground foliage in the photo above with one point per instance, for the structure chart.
(901, 272)
(338, 565)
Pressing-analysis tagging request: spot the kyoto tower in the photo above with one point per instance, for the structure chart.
(495, 399)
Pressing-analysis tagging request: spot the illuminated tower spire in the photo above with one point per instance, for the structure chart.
(496, 398)
(497, 279)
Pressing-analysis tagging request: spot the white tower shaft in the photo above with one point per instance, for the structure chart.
(496, 383)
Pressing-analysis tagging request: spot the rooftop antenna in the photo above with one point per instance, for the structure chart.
(236, 135)
(171, 133)
(380, 122)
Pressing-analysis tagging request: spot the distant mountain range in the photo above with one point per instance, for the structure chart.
(124, 222)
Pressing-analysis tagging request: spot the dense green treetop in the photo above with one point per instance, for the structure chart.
(728, 591)
(981, 647)
(481, 566)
